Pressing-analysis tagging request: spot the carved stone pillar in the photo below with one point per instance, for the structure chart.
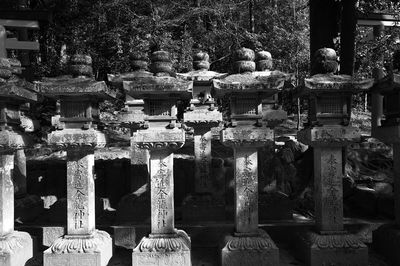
(165, 245)
(16, 248)
(248, 245)
(82, 243)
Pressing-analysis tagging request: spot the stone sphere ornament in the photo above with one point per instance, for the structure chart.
(81, 65)
(263, 61)
(201, 61)
(161, 63)
(325, 61)
(138, 61)
(244, 61)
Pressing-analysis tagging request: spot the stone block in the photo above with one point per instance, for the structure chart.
(51, 234)
(125, 236)
(249, 251)
(15, 249)
(338, 249)
(333, 136)
(386, 241)
(181, 258)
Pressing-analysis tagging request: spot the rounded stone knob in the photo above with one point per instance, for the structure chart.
(244, 60)
(161, 63)
(138, 61)
(81, 65)
(263, 61)
(5, 69)
(325, 61)
(201, 61)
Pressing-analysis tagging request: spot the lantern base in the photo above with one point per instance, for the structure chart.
(15, 249)
(331, 249)
(76, 250)
(256, 249)
(163, 249)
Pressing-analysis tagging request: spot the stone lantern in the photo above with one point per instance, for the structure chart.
(245, 132)
(16, 247)
(165, 245)
(201, 116)
(78, 131)
(386, 238)
(328, 132)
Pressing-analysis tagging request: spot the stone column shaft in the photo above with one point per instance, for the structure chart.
(80, 192)
(328, 189)
(6, 194)
(246, 190)
(202, 153)
(19, 173)
(162, 192)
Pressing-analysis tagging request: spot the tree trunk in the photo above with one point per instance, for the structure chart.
(348, 37)
(251, 16)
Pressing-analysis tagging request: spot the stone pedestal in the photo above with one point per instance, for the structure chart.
(248, 245)
(83, 244)
(203, 204)
(165, 244)
(329, 243)
(16, 248)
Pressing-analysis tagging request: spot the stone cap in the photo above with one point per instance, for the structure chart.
(322, 83)
(152, 87)
(159, 139)
(77, 138)
(329, 136)
(69, 86)
(266, 82)
(246, 137)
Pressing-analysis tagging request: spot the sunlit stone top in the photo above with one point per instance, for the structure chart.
(247, 79)
(251, 92)
(162, 81)
(78, 95)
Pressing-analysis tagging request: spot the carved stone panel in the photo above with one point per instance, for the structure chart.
(328, 189)
(202, 152)
(246, 190)
(80, 192)
(162, 192)
(6, 194)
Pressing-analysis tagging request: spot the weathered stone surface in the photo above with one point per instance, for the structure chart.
(95, 250)
(80, 193)
(202, 116)
(258, 249)
(323, 83)
(246, 190)
(139, 156)
(6, 194)
(164, 249)
(51, 234)
(11, 140)
(162, 192)
(333, 136)
(336, 249)
(69, 138)
(202, 153)
(254, 137)
(16, 249)
(328, 194)
(19, 173)
(159, 139)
